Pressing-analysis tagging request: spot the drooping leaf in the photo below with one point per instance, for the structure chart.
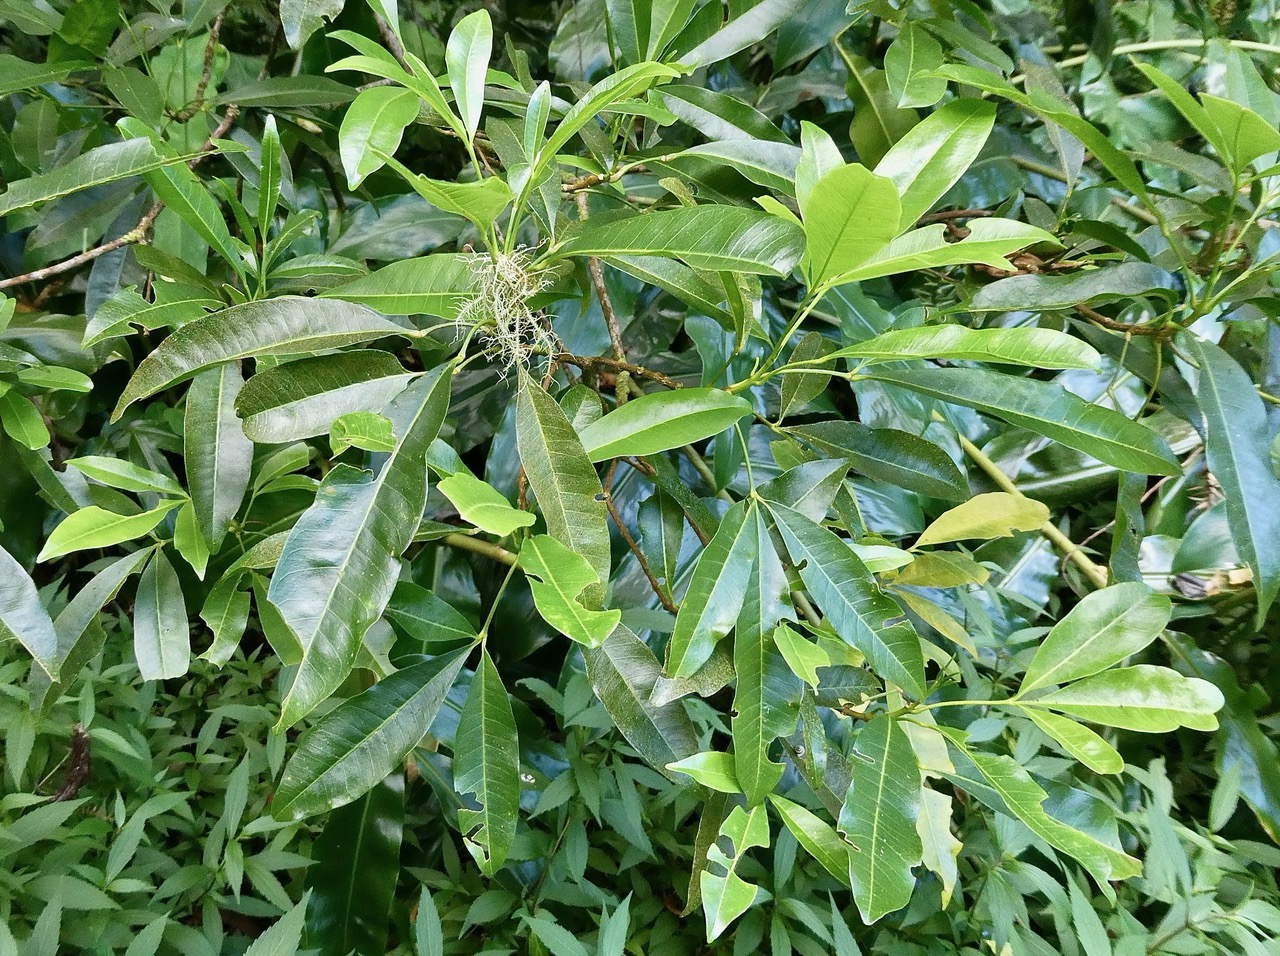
(558, 577)
(624, 673)
(711, 769)
(217, 454)
(939, 846)
(341, 560)
(661, 421)
(486, 763)
(996, 514)
(887, 454)
(283, 326)
(716, 592)
(95, 527)
(727, 896)
(1046, 409)
(817, 836)
(566, 485)
(373, 124)
(352, 876)
(1078, 740)
(1102, 630)
(354, 746)
(1236, 441)
(23, 617)
(1144, 697)
(161, 640)
(847, 593)
(879, 819)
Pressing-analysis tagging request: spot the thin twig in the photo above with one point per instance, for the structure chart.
(206, 72)
(951, 214)
(392, 42)
(635, 550)
(594, 362)
(597, 280)
(1148, 329)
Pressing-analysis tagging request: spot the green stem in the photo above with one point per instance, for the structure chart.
(465, 542)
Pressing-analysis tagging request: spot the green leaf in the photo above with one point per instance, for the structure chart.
(282, 91)
(1237, 437)
(716, 592)
(711, 769)
(486, 763)
(726, 897)
(284, 936)
(54, 379)
(908, 66)
(819, 155)
(686, 284)
(802, 656)
(1012, 791)
(930, 159)
(886, 454)
(996, 514)
(563, 480)
(301, 18)
(95, 527)
(218, 456)
(342, 558)
(1078, 741)
(799, 390)
(161, 640)
(1245, 134)
(367, 431)
(125, 475)
(767, 692)
(845, 590)
(23, 617)
(187, 196)
(428, 934)
(364, 738)
(1038, 348)
(21, 419)
(285, 326)
(719, 115)
(372, 127)
(1041, 293)
(1102, 630)
(1047, 409)
(661, 421)
(482, 505)
(624, 673)
(559, 578)
(938, 844)
(879, 819)
(430, 623)
(817, 836)
(850, 215)
(17, 74)
(482, 200)
(270, 176)
(354, 867)
(1144, 697)
(878, 122)
(429, 285)
(988, 243)
(749, 26)
(188, 540)
(467, 59)
(715, 238)
(97, 167)
(301, 399)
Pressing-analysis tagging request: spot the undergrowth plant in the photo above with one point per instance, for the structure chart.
(791, 472)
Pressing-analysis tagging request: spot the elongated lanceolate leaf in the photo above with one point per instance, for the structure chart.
(1038, 348)
(849, 216)
(557, 578)
(342, 558)
(99, 166)
(365, 738)
(662, 420)
(95, 527)
(486, 763)
(283, 326)
(429, 285)
(989, 242)
(1143, 697)
(887, 454)
(23, 617)
(161, 639)
(218, 456)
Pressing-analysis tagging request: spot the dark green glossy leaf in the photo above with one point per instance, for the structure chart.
(661, 421)
(217, 454)
(887, 454)
(486, 763)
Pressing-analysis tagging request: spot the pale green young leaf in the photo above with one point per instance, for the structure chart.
(23, 617)
(1038, 348)
(727, 896)
(367, 431)
(95, 527)
(21, 419)
(560, 580)
(372, 127)
(711, 769)
(909, 64)
(996, 514)
(939, 846)
(802, 656)
(1144, 697)
(850, 215)
(270, 177)
(819, 155)
(125, 475)
(482, 505)
(818, 837)
(989, 242)
(1078, 741)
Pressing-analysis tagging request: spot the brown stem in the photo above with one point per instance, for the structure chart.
(594, 362)
(635, 549)
(1097, 318)
(206, 71)
(392, 42)
(951, 214)
(597, 280)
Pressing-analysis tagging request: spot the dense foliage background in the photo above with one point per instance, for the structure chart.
(649, 476)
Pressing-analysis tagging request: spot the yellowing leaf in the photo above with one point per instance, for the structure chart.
(997, 514)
